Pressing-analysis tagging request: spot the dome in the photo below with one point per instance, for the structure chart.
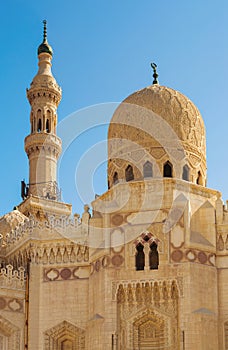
(10, 221)
(157, 125)
(45, 48)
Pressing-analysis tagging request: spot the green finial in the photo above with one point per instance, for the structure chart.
(155, 75)
(45, 47)
(45, 31)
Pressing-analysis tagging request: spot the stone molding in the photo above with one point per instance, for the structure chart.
(55, 337)
(50, 253)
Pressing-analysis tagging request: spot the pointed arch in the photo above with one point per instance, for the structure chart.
(140, 257)
(185, 173)
(65, 336)
(48, 121)
(39, 121)
(150, 332)
(153, 256)
(168, 169)
(199, 180)
(47, 126)
(147, 170)
(129, 174)
(115, 178)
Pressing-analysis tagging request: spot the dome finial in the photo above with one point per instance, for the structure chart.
(155, 75)
(45, 31)
(45, 47)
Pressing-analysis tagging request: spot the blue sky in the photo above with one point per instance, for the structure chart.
(102, 53)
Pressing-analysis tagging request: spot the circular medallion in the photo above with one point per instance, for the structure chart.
(117, 219)
(177, 255)
(65, 274)
(202, 257)
(117, 260)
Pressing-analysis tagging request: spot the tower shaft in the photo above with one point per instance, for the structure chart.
(42, 145)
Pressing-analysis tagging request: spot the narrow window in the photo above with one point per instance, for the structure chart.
(115, 178)
(140, 257)
(185, 174)
(153, 256)
(147, 170)
(129, 175)
(168, 170)
(47, 126)
(199, 180)
(39, 126)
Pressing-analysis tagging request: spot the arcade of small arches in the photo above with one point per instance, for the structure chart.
(42, 121)
(148, 173)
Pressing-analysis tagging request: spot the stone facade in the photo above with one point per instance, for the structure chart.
(148, 269)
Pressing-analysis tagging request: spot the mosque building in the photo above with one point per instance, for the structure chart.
(147, 267)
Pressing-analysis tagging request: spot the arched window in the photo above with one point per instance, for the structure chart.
(147, 170)
(39, 125)
(31, 121)
(115, 178)
(199, 180)
(168, 169)
(129, 175)
(185, 174)
(140, 257)
(153, 256)
(47, 126)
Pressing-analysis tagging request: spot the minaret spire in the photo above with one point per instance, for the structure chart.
(155, 74)
(44, 46)
(45, 31)
(42, 145)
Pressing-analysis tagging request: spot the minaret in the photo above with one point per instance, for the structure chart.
(42, 145)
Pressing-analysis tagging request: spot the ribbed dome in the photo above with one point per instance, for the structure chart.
(162, 123)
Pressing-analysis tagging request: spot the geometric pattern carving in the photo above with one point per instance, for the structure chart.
(65, 336)
(51, 254)
(147, 315)
(11, 304)
(65, 225)
(150, 332)
(63, 274)
(9, 335)
(11, 278)
(192, 255)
